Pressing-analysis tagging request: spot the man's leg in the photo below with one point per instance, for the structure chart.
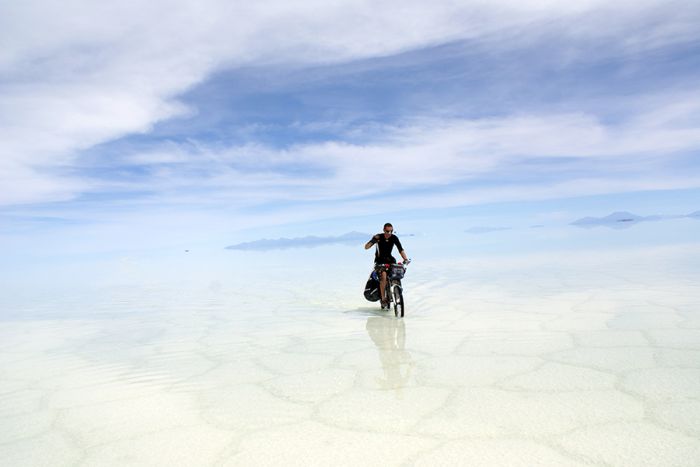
(382, 286)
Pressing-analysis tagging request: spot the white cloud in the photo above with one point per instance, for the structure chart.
(22, 185)
(78, 73)
(432, 153)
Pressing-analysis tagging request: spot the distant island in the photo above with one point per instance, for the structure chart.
(309, 241)
(624, 219)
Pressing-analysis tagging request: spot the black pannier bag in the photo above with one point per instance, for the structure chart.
(372, 287)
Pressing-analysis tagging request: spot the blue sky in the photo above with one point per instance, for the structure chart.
(221, 123)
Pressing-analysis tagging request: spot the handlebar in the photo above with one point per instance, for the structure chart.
(388, 265)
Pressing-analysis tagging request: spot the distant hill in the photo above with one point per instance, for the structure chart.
(309, 241)
(615, 217)
(624, 219)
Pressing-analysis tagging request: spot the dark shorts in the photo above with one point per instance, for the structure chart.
(379, 262)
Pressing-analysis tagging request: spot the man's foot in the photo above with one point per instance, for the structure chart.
(385, 305)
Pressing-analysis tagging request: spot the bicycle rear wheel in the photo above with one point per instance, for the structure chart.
(398, 302)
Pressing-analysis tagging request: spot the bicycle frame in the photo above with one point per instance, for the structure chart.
(393, 286)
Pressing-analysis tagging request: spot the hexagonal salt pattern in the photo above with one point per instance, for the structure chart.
(529, 367)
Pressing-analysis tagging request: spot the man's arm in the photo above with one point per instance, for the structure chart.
(400, 248)
(371, 242)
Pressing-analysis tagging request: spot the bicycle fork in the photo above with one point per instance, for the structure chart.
(390, 288)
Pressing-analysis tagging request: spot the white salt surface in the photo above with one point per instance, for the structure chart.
(506, 362)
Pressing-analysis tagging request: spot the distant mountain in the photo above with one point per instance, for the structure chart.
(624, 219)
(615, 217)
(310, 241)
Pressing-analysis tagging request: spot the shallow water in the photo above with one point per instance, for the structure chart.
(512, 360)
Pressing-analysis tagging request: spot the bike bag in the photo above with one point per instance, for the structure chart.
(396, 271)
(372, 288)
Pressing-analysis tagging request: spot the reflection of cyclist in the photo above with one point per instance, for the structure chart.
(389, 335)
(385, 243)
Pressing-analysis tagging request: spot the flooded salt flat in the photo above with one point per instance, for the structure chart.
(523, 360)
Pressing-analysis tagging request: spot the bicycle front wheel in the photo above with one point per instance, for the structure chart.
(398, 302)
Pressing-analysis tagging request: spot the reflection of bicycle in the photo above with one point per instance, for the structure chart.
(393, 292)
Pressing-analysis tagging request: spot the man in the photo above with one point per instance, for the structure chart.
(385, 243)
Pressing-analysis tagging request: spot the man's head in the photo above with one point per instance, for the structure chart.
(388, 229)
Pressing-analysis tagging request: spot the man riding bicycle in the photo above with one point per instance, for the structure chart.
(385, 243)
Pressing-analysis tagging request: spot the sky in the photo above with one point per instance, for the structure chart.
(132, 126)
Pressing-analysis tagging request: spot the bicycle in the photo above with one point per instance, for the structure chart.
(393, 292)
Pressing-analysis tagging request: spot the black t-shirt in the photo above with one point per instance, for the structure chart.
(385, 245)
